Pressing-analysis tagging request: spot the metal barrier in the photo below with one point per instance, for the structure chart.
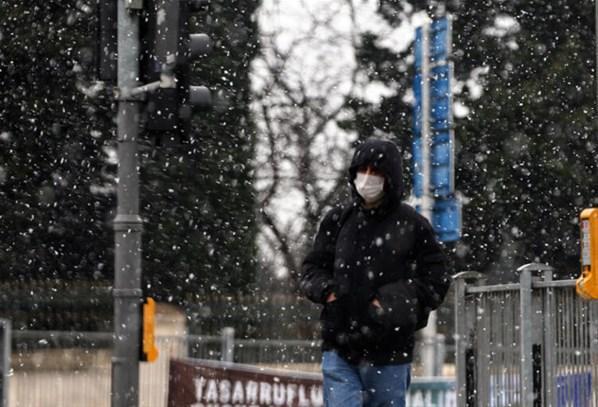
(54, 368)
(530, 343)
(4, 361)
(57, 368)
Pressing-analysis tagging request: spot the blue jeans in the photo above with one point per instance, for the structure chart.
(347, 385)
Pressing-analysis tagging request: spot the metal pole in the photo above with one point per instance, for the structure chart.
(465, 322)
(429, 332)
(549, 341)
(526, 339)
(5, 340)
(461, 339)
(482, 346)
(127, 224)
(426, 137)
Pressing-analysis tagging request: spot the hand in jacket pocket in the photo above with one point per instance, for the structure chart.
(334, 321)
(400, 306)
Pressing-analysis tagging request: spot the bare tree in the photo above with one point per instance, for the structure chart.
(304, 86)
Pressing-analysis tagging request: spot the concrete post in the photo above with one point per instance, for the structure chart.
(228, 344)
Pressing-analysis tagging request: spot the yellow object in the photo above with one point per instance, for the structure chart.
(149, 351)
(587, 283)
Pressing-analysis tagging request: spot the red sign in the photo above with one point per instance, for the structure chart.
(209, 383)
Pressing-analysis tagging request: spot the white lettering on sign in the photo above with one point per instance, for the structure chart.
(291, 393)
(223, 405)
(450, 399)
(303, 400)
(224, 393)
(238, 394)
(199, 384)
(265, 393)
(251, 392)
(316, 395)
(279, 394)
(432, 398)
(212, 392)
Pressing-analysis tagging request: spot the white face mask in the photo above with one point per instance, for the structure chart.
(369, 187)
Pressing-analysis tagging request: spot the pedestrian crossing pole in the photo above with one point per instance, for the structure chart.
(596, 40)
(127, 224)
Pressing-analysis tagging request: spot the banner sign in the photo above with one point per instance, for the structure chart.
(208, 383)
(574, 389)
(432, 392)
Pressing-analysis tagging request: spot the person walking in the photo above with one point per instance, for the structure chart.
(378, 269)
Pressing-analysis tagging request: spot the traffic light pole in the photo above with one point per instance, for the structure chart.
(127, 224)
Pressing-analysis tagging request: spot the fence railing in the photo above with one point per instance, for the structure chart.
(530, 343)
(56, 368)
(63, 368)
(4, 361)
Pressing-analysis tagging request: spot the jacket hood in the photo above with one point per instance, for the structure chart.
(384, 156)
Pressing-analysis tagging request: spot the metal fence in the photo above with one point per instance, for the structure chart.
(57, 368)
(4, 361)
(63, 368)
(530, 343)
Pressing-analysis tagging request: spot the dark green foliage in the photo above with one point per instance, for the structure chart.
(198, 198)
(57, 305)
(526, 159)
(261, 314)
(393, 114)
(53, 226)
(525, 155)
(56, 185)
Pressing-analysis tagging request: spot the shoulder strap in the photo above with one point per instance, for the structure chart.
(343, 218)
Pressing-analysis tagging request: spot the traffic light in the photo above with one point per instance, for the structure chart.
(149, 351)
(106, 48)
(587, 283)
(168, 49)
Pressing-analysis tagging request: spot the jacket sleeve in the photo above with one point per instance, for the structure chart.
(432, 278)
(316, 279)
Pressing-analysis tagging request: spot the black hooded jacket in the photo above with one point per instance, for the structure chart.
(389, 253)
